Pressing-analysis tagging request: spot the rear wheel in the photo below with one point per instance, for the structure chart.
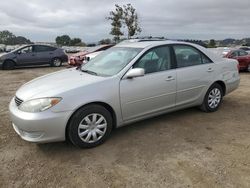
(8, 65)
(90, 126)
(213, 98)
(56, 62)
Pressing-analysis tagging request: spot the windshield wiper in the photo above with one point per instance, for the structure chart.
(88, 71)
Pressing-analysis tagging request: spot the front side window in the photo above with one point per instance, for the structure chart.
(155, 60)
(188, 56)
(111, 61)
(26, 50)
(234, 54)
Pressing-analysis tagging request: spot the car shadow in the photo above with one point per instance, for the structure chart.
(37, 67)
(154, 123)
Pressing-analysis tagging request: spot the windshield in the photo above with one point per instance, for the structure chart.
(19, 48)
(111, 61)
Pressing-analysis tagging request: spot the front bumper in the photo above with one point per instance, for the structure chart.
(40, 127)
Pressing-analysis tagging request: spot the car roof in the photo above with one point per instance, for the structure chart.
(144, 44)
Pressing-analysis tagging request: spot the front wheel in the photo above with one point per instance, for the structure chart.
(8, 65)
(90, 126)
(213, 98)
(56, 62)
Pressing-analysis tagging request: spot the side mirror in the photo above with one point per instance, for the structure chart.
(19, 52)
(87, 58)
(136, 72)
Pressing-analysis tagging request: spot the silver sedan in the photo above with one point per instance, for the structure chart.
(132, 81)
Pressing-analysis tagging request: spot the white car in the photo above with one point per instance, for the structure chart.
(90, 56)
(127, 83)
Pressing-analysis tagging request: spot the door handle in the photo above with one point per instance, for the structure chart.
(33, 55)
(210, 70)
(169, 78)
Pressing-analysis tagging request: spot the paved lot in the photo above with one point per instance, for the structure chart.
(188, 148)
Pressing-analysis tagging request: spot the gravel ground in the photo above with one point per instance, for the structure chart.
(187, 148)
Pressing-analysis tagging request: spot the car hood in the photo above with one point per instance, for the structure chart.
(54, 84)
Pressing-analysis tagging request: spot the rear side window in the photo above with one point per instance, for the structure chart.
(155, 60)
(242, 53)
(43, 48)
(188, 56)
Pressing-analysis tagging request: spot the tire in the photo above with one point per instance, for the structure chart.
(248, 69)
(212, 99)
(56, 62)
(83, 132)
(8, 65)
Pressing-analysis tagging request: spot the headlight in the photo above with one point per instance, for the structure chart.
(39, 105)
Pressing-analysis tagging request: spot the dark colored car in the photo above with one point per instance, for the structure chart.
(242, 57)
(33, 55)
(77, 59)
(245, 48)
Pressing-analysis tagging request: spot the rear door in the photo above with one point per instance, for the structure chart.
(44, 54)
(194, 74)
(153, 92)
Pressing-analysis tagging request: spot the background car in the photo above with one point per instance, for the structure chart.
(77, 59)
(90, 56)
(243, 58)
(245, 48)
(33, 55)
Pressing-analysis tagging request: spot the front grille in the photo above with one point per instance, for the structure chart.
(18, 101)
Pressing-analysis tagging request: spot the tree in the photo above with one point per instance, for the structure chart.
(22, 40)
(105, 41)
(116, 22)
(8, 38)
(130, 18)
(212, 44)
(63, 40)
(76, 42)
(124, 15)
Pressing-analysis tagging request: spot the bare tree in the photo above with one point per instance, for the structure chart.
(126, 15)
(116, 18)
(130, 18)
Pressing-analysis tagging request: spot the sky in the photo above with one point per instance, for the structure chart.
(43, 20)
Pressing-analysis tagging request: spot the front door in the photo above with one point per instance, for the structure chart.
(153, 92)
(25, 56)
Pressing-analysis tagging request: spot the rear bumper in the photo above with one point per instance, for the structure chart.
(65, 58)
(75, 61)
(232, 85)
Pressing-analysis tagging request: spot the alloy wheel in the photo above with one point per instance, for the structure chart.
(57, 62)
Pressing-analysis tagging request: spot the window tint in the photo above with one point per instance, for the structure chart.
(234, 54)
(26, 50)
(155, 60)
(242, 53)
(43, 48)
(189, 56)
